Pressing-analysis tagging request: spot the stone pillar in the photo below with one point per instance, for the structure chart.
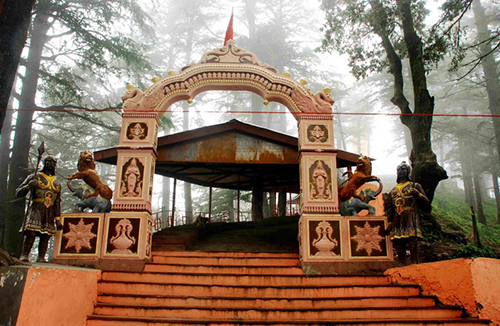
(318, 187)
(330, 243)
(128, 227)
(318, 165)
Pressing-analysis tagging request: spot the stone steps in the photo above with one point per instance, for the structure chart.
(240, 278)
(274, 314)
(275, 292)
(259, 303)
(223, 270)
(223, 289)
(96, 320)
(226, 261)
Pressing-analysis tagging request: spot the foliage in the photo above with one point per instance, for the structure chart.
(88, 44)
(452, 213)
(353, 28)
(473, 251)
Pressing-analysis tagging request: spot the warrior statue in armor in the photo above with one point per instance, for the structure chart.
(44, 209)
(401, 209)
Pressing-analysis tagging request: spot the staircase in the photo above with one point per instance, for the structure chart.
(173, 239)
(216, 289)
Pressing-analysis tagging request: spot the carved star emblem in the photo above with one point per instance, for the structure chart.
(367, 238)
(79, 236)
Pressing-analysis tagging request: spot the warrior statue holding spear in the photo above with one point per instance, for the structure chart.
(401, 209)
(44, 208)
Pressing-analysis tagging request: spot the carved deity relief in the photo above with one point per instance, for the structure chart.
(325, 243)
(317, 133)
(132, 178)
(137, 131)
(320, 181)
(123, 239)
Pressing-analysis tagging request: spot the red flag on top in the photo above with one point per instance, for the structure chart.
(229, 31)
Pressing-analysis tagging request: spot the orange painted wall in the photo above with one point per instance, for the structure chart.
(470, 283)
(58, 296)
(486, 280)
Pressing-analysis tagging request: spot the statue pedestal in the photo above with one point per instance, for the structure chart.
(334, 244)
(80, 241)
(111, 241)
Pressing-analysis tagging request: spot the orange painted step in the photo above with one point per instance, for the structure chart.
(227, 254)
(257, 303)
(273, 314)
(224, 270)
(95, 320)
(106, 287)
(226, 261)
(245, 280)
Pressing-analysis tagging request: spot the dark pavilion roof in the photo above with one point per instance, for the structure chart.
(233, 155)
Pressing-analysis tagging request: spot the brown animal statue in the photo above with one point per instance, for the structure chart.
(363, 174)
(86, 171)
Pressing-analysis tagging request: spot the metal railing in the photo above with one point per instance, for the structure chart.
(165, 219)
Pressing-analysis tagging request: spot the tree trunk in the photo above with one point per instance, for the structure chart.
(22, 138)
(466, 173)
(427, 170)
(257, 203)
(494, 176)
(256, 100)
(490, 67)
(232, 195)
(442, 160)
(4, 167)
(479, 198)
(188, 201)
(165, 199)
(15, 18)
(267, 204)
(272, 204)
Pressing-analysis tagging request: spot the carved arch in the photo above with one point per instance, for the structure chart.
(228, 68)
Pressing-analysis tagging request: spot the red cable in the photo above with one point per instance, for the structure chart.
(280, 112)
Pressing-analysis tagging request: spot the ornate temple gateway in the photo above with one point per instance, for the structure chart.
(122, 238)
(239, 288)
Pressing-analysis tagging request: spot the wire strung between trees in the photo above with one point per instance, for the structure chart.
(464, 115)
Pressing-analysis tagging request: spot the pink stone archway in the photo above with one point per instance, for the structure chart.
(228, 68)
(232, 68)
(125, 234)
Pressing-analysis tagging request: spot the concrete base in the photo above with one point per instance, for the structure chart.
(473, 284)
(47, 294)
(12, 281)
(114, 264)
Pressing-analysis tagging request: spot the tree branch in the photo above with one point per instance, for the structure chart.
(396, 66)
(476, 62)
